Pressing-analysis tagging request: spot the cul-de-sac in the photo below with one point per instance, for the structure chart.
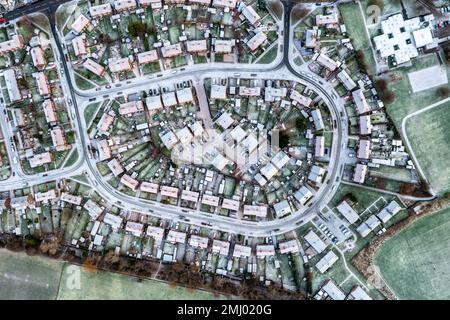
(231, 149)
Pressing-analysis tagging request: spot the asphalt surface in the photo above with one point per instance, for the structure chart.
(45, 6)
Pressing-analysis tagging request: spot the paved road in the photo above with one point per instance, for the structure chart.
(280, 69)
(48, 6)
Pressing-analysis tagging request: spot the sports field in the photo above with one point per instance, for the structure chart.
(107, 285)
(406, 100)
(416, 262)
(28, 277)
(38, 278)
(429, 134)
(428, 78)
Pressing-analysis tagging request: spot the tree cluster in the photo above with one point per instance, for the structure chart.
(386, 95)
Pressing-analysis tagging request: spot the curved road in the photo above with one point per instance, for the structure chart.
(176, 213)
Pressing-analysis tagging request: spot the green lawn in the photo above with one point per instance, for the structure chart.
(82, 83)
(23, 277)
(390, 7)
(39, 278)
(72, 158)
(90, 111)
(429, 133)
(416, 262)
(106, 285)
(364, 197)
(406, 101)
(269, 56)
(356, 28)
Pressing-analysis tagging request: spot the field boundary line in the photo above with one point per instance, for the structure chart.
(408, 142)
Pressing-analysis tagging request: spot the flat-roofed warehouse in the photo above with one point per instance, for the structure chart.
(360, 173)
(94, 67)
(198, 242)
(333, 291)
(360, 100)
(301, 99)
(372, 222)
(224, 3)
(70, 198)
(319, 150)
(176, 237)
(231, 204)
(303, 195)
(363, 229)
(171, 50)
(401, 38)
(346, 80)
(364, 149)
(358, 293)
(242, 251)
(11, 85)
(156, 233)
(124, 5)
(155, 4)
(80, 24)
(365, 125)
(130, 182)
(327, 62)
(256, 41)
(348, 212)
(131, 107)
(93, 209)
(147, 57)
(134, 228)
(149, 187)
(250, 14)
(185, 95)
(218, 92)
(170, 192)
(282, 208)
(120, 65)
(317, 118)
(15, 43)
(210, 200)
(221, 247)
(290, 246)
(100, 10)
(188, 195)
(265, 250)
(195, 46)
(327, 261)
(153, 103)
(313, 239)
(257, 211)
